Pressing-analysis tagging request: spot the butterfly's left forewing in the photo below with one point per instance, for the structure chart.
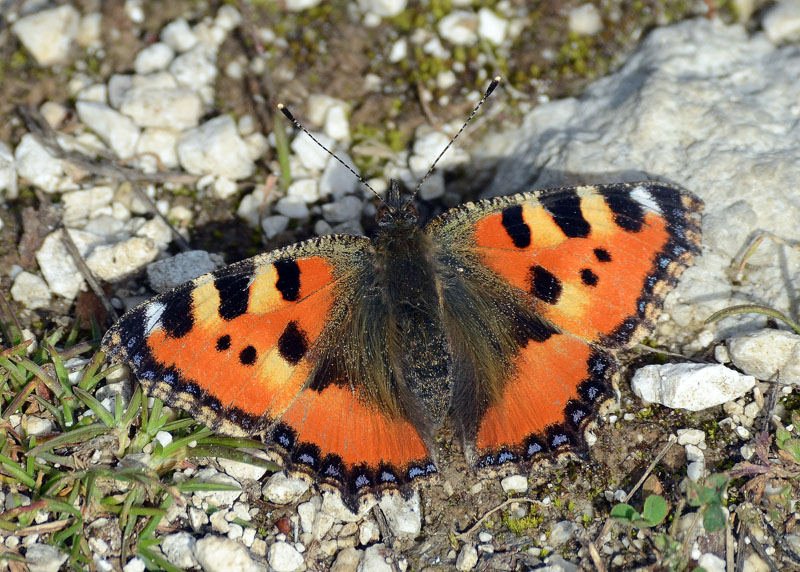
(269, 347)
(576, 273)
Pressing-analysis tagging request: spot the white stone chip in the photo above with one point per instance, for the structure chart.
(178, 35)
(514, 484)
(216, 498)
(282, 489)
(178, 548)
(690, 436)
(382, 8)
(345, 209)
(220, 554)
(39, 167)
(283, 557)
(711, 562)
(404, 517)
(336, 180)
(30, 290)
(44, 558)
(781, 22)
(57, 266)
(48, 34)
(112, 262)
(336, 124)
(373, 560)
(118, 131)
(562, 532)
(300, 5)
(168, 107)
(765, 353)
(690, 386)
(197, 67)
(171, 272)
(459, 27)
(244, 471)
(585, 20)
(274, 225)
(157, 142)
(312, 156)
(155, 57)
(492, 27)
(8, 172)
(467, 558)
(215, 147)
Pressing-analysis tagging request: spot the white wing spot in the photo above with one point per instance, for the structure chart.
(643, 196)
(153, 317)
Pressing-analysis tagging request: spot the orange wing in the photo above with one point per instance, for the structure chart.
(593, 264)
(241, 349)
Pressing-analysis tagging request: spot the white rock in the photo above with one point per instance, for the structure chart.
(446, 79)
(690, 386)
(300, 5)
(8, 172)
(220, 554)
(215, 148)
(781, 23)
(38, 426)
(323, 522)
(467, 558)
(332, 505)
(97, 93)
(79, 206)
(514, 484)
(404, 517)
(156, 230)
(336, 125)
(292, 207)
(307, 511)
(399, 51)
(227, 18)
(244, 471)
(694, 453)
(157, 142)
(178, 548)
(135, 564)
(178, 35)
(585, 20)
(57, 266)
(48, 34)
(274, 225)
(89, 31)
(174, 108)
(368, 532)
(382, 8)
(651, 119)
(345, 209)
(112, 262)
(374, 560)
(195, 68)
(54, 113)
(284, 558)
(170, 272)
(459, 27)
(491, 27)
(427, 147)
(39, 167)
(155, 57)
(690, 436)
(306, 190)
(30, 291)
(562, 532)
(216, 498)
(118, 131)
(764, 353)
(224, 188)
(44, 558)
(281, 489)
(711, 562)
(336, 180)
(311, 155)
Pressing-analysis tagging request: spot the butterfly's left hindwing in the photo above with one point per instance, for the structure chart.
(589, 267)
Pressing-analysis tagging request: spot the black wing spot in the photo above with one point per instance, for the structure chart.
(565, 208)
(588, 277)
(628, 214)
(223, 343)
(234, 291)
(545, 285)
(177, 318)
(293, 343)
(515, 226)
(288, 283)
(248, 356)
(602, 255)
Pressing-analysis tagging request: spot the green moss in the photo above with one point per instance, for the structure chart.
(525, 525)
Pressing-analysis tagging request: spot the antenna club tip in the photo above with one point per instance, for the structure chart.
(281, 106)
(497, 79)
(282, 109)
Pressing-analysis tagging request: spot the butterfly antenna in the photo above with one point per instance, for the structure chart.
(495, 82)
(297, 124)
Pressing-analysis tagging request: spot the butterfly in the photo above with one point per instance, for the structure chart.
(345, 354)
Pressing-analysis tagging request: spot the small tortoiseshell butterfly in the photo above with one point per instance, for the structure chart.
(346, 353)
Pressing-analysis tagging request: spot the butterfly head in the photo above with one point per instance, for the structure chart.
(396, 211)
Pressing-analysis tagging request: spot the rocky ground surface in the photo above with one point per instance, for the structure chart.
(148, 133)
